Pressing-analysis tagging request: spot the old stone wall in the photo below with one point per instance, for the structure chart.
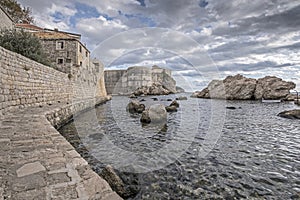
(5, 21)
(25, 83)
(115, 81)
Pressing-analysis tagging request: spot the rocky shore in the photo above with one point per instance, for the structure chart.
(154, 89)
(239, 87)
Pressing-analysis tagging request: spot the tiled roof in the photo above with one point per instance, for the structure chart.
(53, 35)
(29, 26)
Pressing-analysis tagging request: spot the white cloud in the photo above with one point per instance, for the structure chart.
(243, 36)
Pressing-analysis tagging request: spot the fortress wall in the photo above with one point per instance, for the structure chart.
(25, 83)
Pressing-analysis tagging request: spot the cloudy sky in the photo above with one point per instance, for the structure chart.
(197, 39)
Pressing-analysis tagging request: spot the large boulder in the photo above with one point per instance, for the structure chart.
(239, 87)
(135, 107)
(271, 87)
(154, 114)
(290, 114)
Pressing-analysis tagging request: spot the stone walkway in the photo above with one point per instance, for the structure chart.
(38, 163)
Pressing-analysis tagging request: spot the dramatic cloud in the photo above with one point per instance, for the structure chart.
(254, 38)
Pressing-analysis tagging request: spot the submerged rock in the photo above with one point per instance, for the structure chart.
(290, 114)
(231, 107)
(239, 87)
(154, 114)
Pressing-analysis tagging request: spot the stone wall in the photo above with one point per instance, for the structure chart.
(127, 81)
(115, 81)
(25, 83)
(5, 21)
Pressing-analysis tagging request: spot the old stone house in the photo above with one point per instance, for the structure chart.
(68, 54)
(6, 21)
(65, 50)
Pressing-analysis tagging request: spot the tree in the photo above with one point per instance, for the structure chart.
(25, 44)
(17, 13)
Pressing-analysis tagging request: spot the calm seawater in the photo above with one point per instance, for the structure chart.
(205, 151)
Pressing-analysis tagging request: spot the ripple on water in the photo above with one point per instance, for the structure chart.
(257, 155)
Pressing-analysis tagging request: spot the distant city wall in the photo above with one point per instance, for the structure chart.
(126, 81)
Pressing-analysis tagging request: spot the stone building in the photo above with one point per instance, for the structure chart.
(64, 49)
(68, 54)
(126, 81)
(6, 21)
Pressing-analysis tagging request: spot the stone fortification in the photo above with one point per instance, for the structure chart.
(127, 81)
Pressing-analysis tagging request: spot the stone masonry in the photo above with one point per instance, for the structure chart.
(127, 81)
(5, 21)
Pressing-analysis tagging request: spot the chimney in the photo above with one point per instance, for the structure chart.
(56, 29)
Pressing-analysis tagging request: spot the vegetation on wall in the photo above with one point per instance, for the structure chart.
(23, 43)
(18, 13)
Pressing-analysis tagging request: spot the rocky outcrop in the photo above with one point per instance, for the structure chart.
(290, 114)
(154, 114)
(239, 87)
(135, 107)
(154, 89)
(127, 81)
(271, 87)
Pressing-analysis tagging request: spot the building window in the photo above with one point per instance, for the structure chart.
(68, 54)
(80, 64)
(80, 49)
(68, 61)
(86, 54)
(60, 61)
(60, 45)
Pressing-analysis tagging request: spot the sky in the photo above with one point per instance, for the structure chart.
(199, 40)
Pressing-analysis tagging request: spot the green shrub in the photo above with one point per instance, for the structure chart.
(23, 43)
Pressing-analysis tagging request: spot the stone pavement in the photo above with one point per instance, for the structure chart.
(38, 163)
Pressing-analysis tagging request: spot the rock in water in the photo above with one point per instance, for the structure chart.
(290, 114)
(135, 107)
(181, 98)
(154, 114)
(239, 87)
(116, 183)
(175, 103)
(271, 87)
(171, 108)
(230, 107)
